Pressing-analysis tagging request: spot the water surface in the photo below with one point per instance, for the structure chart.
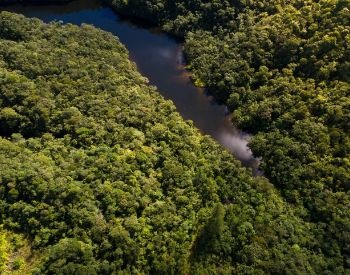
(160, 58)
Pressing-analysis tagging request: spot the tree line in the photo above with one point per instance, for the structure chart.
(100, 174)
(282, 68)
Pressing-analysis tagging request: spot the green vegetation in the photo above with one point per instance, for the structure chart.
(282, 68)
(16, 256)
(103, 176)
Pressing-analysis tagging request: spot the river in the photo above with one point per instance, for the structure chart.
(159, 57)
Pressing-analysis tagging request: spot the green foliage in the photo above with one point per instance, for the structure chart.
(282, 68)
(4, 247)
(103, 176)
(16, 256)
(70, 256)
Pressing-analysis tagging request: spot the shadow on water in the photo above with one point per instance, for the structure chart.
(160, 58)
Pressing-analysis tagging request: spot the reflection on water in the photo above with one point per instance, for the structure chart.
(160, 58)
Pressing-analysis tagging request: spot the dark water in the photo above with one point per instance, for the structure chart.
(160, 58)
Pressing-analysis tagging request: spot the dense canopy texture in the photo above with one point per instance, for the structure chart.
(100, 174)
(282, 68)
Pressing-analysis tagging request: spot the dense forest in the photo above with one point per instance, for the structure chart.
(283, 69)
(100, 174)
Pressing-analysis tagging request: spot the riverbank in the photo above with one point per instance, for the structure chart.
(159, 57)
(282, 68)
(101, 175)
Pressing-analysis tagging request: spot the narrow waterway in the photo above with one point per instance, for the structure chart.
(159, 57)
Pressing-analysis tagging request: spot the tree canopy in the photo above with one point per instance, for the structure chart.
(100, 174)
(282, 68)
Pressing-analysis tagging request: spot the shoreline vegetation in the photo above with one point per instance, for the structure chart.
(282, 68)
(92, 139)
(100, 174)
